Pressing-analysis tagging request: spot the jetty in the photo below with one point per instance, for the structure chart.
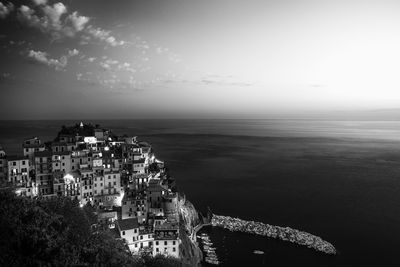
(283, 233)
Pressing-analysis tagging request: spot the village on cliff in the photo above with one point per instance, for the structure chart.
(118, 175)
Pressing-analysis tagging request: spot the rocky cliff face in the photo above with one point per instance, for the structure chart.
(189, 218)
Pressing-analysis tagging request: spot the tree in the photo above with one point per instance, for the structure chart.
(54, 232)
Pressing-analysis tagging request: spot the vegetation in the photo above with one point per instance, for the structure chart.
(58, 232)
(86, 130)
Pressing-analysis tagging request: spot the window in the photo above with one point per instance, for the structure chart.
(173, 249)
(135, 231)
(173, 242)
(141, 237)
(157, 250)
(14, 163)
(165, 243)
(156, 243)
(136, 245)
(26, 149)
(123, 232)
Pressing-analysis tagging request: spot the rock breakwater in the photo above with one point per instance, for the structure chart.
(282, 233)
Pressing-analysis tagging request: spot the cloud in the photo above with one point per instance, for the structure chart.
(91, 59)
(102, 35)
(105, 66)
(78, 22)
(73, 52)
(53, 15)
(39, 2)
(111, 61)
(5, 9)
(43, 58)
(27, 15)
(52, 20)
(56, 21)
(161, 50)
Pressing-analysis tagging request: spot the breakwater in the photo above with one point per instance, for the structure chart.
(282, 233)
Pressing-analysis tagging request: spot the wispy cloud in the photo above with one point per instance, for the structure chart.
(43, 58)
(98, 34)
(56, 21)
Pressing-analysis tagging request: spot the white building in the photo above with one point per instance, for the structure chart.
(166, 239)
(129, 231)
(18, 170)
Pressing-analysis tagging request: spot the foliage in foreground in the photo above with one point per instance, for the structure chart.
(58, 232)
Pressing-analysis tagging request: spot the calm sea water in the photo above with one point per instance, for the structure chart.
(337, 179)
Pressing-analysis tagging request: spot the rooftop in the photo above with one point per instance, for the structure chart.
(32, 145)
(42, 154)
(128, 224)
(16, 157)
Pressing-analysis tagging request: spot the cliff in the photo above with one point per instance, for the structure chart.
(190, 252)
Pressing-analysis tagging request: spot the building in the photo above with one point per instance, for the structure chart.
(18, 170)
(129, 231)
(119, 176)
(57, 147)
(3, 166)
(29, 150)
(43, 171)
(134, 205)
(166, 239)
(61, 161)
(87, 176)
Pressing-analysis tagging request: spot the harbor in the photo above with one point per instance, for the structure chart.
(210, 255)
(282, 233)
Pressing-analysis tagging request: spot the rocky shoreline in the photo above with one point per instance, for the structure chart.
(282, 233)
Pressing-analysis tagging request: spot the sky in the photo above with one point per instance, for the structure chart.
(106, 59)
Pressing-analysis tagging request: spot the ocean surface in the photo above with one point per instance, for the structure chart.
(339, 180)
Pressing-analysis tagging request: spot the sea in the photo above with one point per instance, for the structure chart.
(339, 180)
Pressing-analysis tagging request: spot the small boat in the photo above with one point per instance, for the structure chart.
(215, 262)
(212, 257)
(258, 252)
